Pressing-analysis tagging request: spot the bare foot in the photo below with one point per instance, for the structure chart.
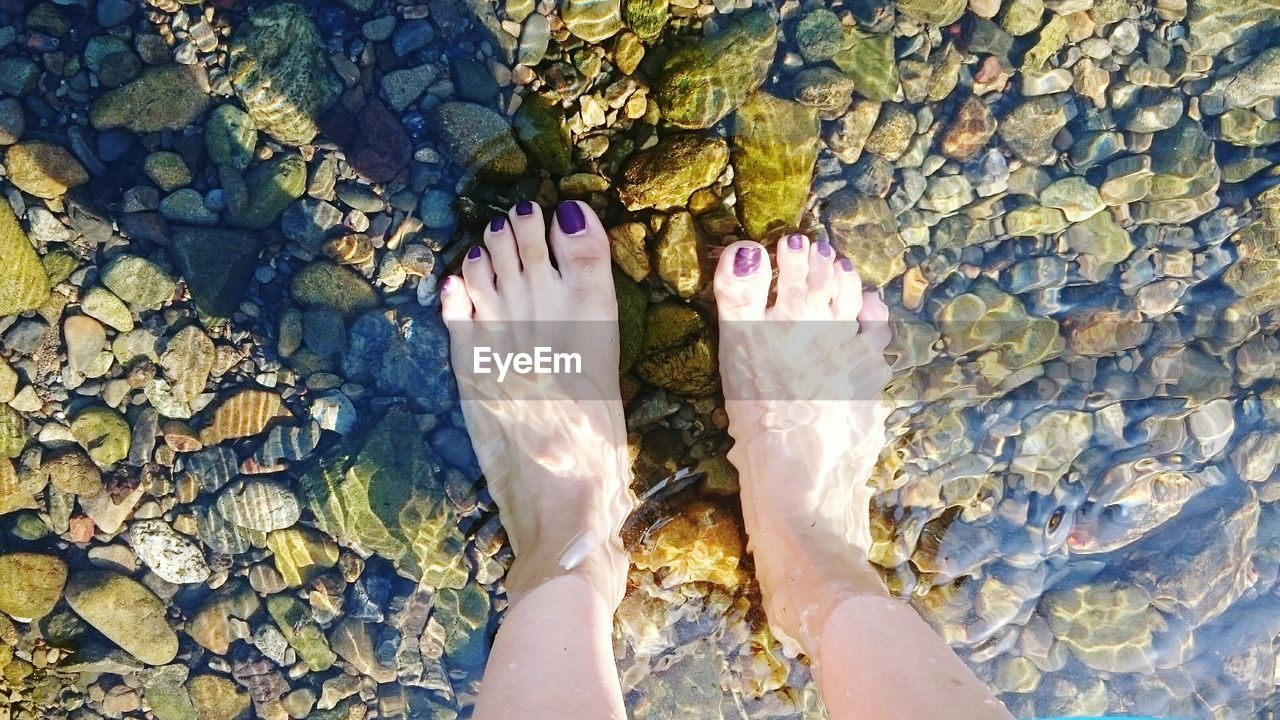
(802, 382)
(552, 445)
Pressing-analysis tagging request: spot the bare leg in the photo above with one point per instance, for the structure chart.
(553, 450)
(802, 383)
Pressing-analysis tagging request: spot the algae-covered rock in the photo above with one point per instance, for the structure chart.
(300, 554)
(230, 136)
(631, 307)
(868, 59)
(678, 253)
(862, 229)
(103, 433)
(647, 18)
(933, 12)
(775, 148)
(216, 697)
(301, 631)
(665, 175)
(169, 97)
(24, 284)
(541, 130)
(30, 584)
(126, 612)
(43, 169)
(1214, 25)
(138, 281)
(380, 492)
(217, 264)
(329, 285)
(479, 140)
(13, 434)
(704, 80)
(464, 615)
(819, 35)
(280, 72)
(272, 186)
(592, 20)
(676, 354)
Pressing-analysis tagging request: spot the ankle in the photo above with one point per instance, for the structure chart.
(601, 564)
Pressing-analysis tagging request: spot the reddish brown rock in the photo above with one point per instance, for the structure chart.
(380, 149)
(969, 132)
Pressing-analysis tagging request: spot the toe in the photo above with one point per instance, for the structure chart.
(821, 281)
(455, 303)
(848, 290)
(501, 244)
(793, 273)
(477, 272)
(582, 248)
(742, 281)
(531, 238)
(874, 321)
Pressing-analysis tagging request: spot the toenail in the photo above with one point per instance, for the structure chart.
(746, 261)
(795, 241)
(570, 218)
(524, 208)
(824, 249)
(846, 264)
(474, 253)
(447, 285)
(497, 223)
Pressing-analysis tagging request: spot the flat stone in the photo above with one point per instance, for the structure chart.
(43, 169)
(230, 136)
(678, 253)
(665, 175)
(592, 20)
(479, 140)
(216, 697)
(85, 339)
(262, 505)
(1074, 196)
(103, 305)
(30, 584)
(218, 265)
(328, 285)
(169, 97)
(703, 81)
(168, 553)
(775, 149)
(138, 281)
(126, 612)
(301, 554)
(103, 433)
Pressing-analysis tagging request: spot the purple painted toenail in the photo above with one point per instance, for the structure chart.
(474, 253)
(846, 264)
(447, 286)
(570, 218)
(746, 261)
(795, 242)
(497, 223)
(824, 249)
(524, 208)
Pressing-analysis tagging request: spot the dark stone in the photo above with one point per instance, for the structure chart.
(381, 149)
(404, 352)
(473, 81)
(218, 265)
(454, 447)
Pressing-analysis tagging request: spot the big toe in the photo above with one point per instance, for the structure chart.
(581, 248)
(742, 281)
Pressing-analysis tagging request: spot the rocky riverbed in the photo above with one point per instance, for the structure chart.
(233, 477)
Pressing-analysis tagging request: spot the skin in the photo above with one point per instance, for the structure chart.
(558, 470)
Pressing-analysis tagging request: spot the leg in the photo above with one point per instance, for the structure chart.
(806, 439)
(552, 446)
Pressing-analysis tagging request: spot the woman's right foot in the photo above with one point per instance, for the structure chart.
(802, 381)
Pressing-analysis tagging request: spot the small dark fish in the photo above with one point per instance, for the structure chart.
(659, 505)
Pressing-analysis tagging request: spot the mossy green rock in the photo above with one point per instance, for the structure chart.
(169, 97)
(167, 170)
(165, 693)
(868, 59)
(326, 284)
(216, 697)
(230, 137)
(24, 284)
(775, 148)
(138, 281)
(464, 615)
(126, 612)
(13, 432)
(647, 18)
(103, 433)
(479, 140)
(819, 34)
(59, 265)
(541, 130)
(30, 584)
(933, 12)
(301, 631)
(631, 306)
(592, 20)
(280, 72)
(379, 492)
(217, 264)
(272, 186)
(704, 80)
(665, 175)
(676, 354)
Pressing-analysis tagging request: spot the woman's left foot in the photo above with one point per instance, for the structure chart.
(549, 433)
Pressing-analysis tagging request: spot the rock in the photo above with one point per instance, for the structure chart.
(103, 305)
(862, 229)
(13, 122)
(592, 20)
(328, 285)
(892, 133)
(165, 693)
(1101, 244)
(187, 205)
(665, 175)
(541, 130)
(678, 253)
(1030, 128)
(272, 186)
(85, 339)
(218, 266)
(138, 281)
(167, 170)
(126, 612)
(352, 640)
(676, 354)
(103, 433)
(1214, 25)
(43, 169)
(868, 59)
(1074, 196)
(969, 132)
(258, 504)
(819, 35)
(412, 36)
(413, 364)
(13, 435)
(17, 492)
(647, 18)
(775, 148)
(379, 491)
(301, 631)
(211, 626)
(464, 615)
(230, 136)
(334, 412)
(30, 584)
(631, 312)
(301, 554)
(216, 697)
(627, 245)
(279, 71)
(932, 12)
(169, 97)
(403, 87)
(168, 553)
(824, 88)
(704, 80)
(701, 544)
(1034, 220)
(479, 140)
(24, 285)
(244, 413)
(381, 150)
(72, 471)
